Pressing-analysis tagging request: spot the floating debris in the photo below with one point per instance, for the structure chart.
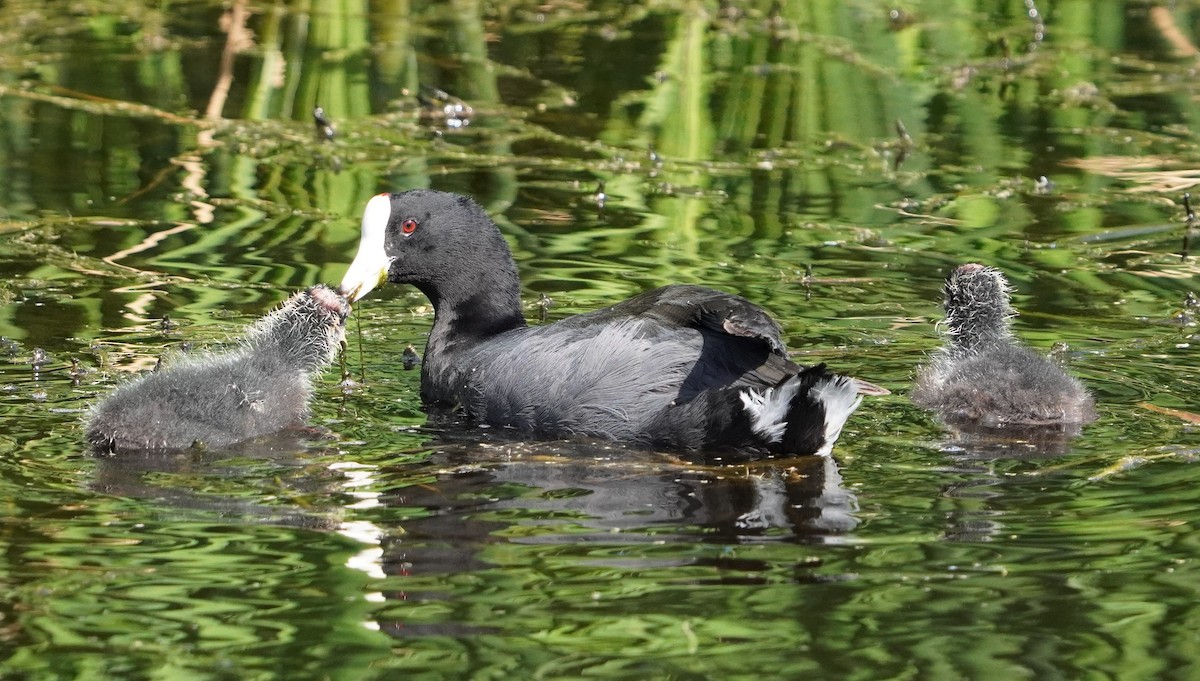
(1189, 218)
(325, 129)
(9, 347)
(905, 145)
(1060, 351)
(898, 19)
(410, 359)
(1039, 26)
(99, 353)
(348, 385)
(600, 197)
(454, 112)
(1126, 463)
(1177, 413)
(1174, 453)
(77, 371)
(1187, 316)
(544, 304)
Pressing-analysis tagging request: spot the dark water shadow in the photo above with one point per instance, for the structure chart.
(611, 487)
(474, 489)
(228, 482)
(975, 441)
(594, 507)
(620, 496)
(978, 463)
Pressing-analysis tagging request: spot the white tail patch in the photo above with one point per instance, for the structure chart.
(769, 408)
(839, 396)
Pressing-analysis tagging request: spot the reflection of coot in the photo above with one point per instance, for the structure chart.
(260, 387)
(680, 367)
(982, 377)
(469, 502)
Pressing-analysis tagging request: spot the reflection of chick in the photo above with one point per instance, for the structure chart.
(260, 387)
(982, 376)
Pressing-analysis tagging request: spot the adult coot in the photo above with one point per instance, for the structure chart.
(260, 387)
(983, 376)
(680, 367)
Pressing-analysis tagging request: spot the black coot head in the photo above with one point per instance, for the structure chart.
(427, 238)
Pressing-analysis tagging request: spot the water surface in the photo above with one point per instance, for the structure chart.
(829, 160)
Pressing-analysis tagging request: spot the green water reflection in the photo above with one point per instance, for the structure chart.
(830, 160)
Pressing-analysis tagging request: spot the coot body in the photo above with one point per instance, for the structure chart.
(983, 376)
(680, 367)
(260, 387)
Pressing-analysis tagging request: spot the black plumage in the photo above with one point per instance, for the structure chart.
(983, 376)
(680, 367)
(259, 387)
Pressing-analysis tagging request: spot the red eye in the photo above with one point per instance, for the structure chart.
(408, 226)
